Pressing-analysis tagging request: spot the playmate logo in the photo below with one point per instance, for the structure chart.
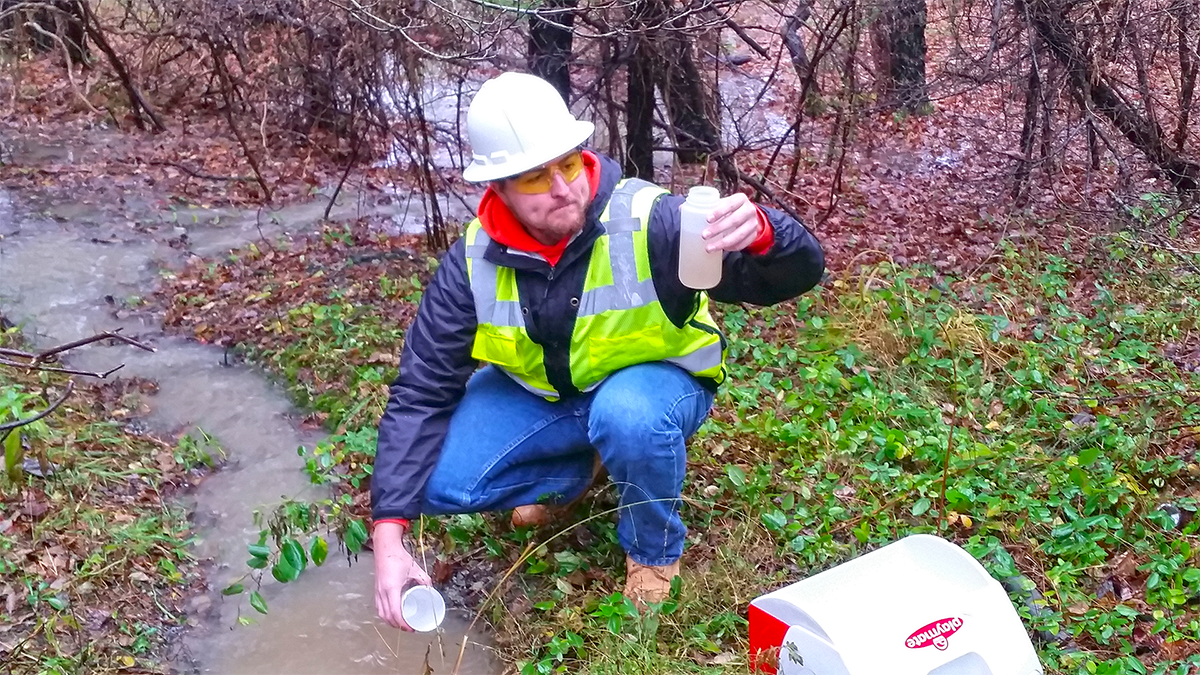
(935, 634)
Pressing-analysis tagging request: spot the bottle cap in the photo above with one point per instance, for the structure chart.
(703, 195)
(423, 608)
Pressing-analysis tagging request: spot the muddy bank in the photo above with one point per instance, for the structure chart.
(75, 266)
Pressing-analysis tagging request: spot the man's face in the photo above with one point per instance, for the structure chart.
(550, 201)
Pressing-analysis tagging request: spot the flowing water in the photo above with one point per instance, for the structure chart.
(66, 267)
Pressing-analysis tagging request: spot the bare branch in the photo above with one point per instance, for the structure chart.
(107, 335)
(66, 63)
(68, 371)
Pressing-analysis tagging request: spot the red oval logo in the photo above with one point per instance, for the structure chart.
(936, 634)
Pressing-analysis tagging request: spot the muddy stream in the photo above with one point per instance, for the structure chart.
(66, 267)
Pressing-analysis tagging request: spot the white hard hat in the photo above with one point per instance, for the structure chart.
(517, 122)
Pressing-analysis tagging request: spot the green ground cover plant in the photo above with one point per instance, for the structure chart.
(1040, 414)
(94, 559)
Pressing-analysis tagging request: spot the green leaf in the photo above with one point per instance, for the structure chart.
(921, 506)
(789, 501)
(293, 555)
(318, 550)
(257, 602)
(356, 536)
(259, 551)
(736, 475)
(1088, 456)
(256, 563)
(13, 455)
(1080, 479)
(284, 572)
(232, 589)
(774, 520)
(56, 602)
(614, 624)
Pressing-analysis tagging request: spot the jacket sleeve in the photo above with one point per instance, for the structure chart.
(793, 264)
(435, 365)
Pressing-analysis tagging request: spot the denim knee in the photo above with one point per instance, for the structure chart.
(624, 428)
(442, 496)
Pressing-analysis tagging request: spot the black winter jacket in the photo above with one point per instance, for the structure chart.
(436, 362)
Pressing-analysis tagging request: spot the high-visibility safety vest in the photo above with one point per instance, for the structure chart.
(620, 321)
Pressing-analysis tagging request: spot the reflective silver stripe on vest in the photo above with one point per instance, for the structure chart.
(626, 292)
(705, 358)
(708, 356)
(488, 309)
(544, 393)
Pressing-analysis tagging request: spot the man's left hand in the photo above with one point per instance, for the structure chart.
(733, 225)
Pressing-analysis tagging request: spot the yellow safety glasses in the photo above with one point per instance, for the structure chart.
(539, 180)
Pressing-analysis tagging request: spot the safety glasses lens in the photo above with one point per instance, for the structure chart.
(539, 180)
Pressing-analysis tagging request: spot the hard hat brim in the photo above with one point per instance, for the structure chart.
(569, 139)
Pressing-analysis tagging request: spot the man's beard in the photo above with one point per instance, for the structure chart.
(562, 223)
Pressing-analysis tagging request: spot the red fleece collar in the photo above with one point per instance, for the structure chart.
(501, 225)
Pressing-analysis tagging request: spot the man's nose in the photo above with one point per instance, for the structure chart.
(558, 185)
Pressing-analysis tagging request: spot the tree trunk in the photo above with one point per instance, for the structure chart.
(898, 34)
(550, 38)
(639, 110)
(908, 64)
(1032, 87)
(805, 72)
(696, 134)
(1185, 17)
(74, 35)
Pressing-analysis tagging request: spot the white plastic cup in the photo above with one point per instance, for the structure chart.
(698, 267)
(423, 608)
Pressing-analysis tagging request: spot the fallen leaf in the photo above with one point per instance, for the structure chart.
(442, 570)
(384, 359)
(1125, 565)
(35, 508)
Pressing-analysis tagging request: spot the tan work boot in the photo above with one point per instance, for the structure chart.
(542, 514)
(531, 514)
(646, 584)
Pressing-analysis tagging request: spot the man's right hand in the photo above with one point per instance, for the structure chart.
(395, 571)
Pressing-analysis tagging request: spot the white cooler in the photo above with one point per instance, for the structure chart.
(920, 606)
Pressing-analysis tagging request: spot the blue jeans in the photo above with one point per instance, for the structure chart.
(507, 447)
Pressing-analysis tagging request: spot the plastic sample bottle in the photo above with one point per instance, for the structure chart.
(423, 608)
(698, 268)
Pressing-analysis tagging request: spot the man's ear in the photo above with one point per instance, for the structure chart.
(500, 188)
